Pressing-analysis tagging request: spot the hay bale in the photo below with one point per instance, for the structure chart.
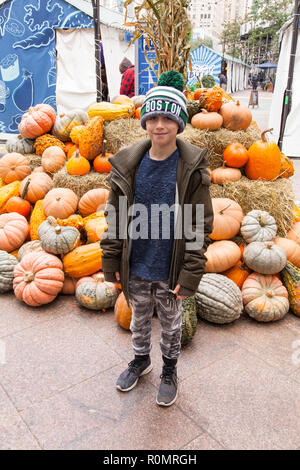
(123, 132)
(80, 184)
(276, 197)
(34, 160)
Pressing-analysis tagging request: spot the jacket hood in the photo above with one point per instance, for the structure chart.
(127, 159)
(124, 65)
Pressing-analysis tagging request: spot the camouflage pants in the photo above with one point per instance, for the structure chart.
(142, 296)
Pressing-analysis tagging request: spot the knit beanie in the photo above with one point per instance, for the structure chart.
(124, 65)
(166, 99)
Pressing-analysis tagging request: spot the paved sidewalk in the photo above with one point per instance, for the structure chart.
(239, 383)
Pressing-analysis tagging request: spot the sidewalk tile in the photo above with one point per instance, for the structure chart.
(246, 403)
(46, 359)
(14, 434)
(203, 442)
(95, 415)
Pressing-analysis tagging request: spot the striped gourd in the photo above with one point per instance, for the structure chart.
(291, 281)
(7, 265)
(189, 320)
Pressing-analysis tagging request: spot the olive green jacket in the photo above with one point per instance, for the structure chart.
(193, 181)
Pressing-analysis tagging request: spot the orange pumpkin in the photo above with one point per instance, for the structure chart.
(101, 164)
(291, 249)
(14, 167)
(95, 229)
(138, 112)
(228, 216)
(37, 121)
(60, 202)
(83, 261)
(18, 204)
(197, 93)
(78, 165)
(238, 273)
(236, 116)
(205, 120)
(123, 312)
(221, 255)
(38, 278)
(40, 184)
(93, 201)
(264, 160)
(223, 174)
(71, 151)
(14, 229)
(235, 155)
(53, 159)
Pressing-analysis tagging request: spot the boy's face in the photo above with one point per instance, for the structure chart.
(162, 130)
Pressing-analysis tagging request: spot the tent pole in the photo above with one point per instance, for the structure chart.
(96, 17)
(287, 97)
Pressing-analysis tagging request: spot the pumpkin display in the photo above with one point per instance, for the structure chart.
(218, 299)
(57, 239)
(45, 141)
(18, 144)
(110, 111)
(60, 202)
(293, 233)
(235, 155)
(37, 121)
(228, 216)
(75, 220)
(265, 298)
(211, 99)
(205, 120)
(78, 165)
(96, 294)
(18, 204)
(64, 124)
(287, 168)
(8, 191)
(265, 257)
(291, 249)
(91, 138)
(189, 320)
(13, 231)
(7, 265)
(221, 255)
(236, 116)
(95, 228)
(264, 160)
(223, 174)
(258, 226)
(39, 185)
(75, 133)
(53, 159)
(238, 273)
(123, 312)
(93, 201)
(69, 286)
(291, 280)
(30, 247)
(14, 167)
(83, 261)
(37, 217)
(38, 279)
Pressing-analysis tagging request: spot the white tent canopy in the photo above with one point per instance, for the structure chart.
(290, 145)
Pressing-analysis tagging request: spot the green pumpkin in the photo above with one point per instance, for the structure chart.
(189, 320)
(7, 265)
(19, 144)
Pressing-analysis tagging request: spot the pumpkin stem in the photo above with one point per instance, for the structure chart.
(57, 229)
(238, 103)
(19, 137)
(23, 195)
(262, 220)
(269, 244)
(28, 276)
(103, 145)
(269, 293)
(224, 208)
(76, 154)
(263, 137)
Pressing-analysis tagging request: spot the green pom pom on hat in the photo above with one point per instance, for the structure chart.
(171, 78)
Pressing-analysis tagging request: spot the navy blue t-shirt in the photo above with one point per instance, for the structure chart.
(155, 185)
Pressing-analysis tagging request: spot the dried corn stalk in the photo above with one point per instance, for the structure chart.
(165, 26)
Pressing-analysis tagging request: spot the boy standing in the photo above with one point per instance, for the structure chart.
(157, 172)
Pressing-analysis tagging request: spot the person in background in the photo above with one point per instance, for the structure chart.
(223, 81)
(127, 83)
(254, 82)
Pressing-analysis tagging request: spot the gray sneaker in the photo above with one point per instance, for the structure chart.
(129, 378)
(167, 392)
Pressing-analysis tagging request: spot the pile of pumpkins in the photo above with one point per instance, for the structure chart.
(261, 276)
(262, 161)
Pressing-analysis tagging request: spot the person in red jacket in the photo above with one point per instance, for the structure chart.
(127, 83)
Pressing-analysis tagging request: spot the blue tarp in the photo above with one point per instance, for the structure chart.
(28, 55)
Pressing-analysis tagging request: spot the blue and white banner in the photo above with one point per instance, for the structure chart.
(204, 62)
(28, 55)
